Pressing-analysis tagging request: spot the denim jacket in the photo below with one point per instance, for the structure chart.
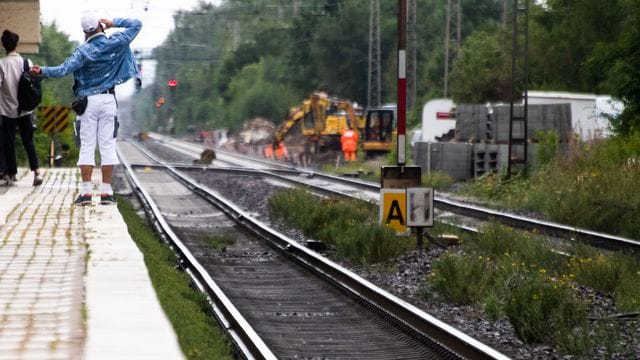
(101, 62)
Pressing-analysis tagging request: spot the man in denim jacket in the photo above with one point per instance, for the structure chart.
(98, 65)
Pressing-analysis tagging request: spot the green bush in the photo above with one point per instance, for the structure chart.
(628, 294)
(437, 180)
(594, 186)
(498, 241)
(492, 306)
(460, 279)
(350, 226)
(510, 273)
(542, 310)
(548, 146)
(611, 273)
(370, 243)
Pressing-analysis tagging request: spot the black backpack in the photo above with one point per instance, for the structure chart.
(29, 90)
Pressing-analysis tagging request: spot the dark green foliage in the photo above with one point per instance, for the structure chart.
(580, 46)
(480, 74)
(461, 280)
(542, 311)
(319, 46)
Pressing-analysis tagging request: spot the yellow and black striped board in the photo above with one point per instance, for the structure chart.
(53, 118)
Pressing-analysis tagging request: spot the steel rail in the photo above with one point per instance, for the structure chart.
(392, 307)
(454, 340)
(598, 239)
(248, 343)
(594, 238)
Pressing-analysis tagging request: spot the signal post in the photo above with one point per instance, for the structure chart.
(403, 203)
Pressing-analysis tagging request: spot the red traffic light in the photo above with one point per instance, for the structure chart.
(172, 83)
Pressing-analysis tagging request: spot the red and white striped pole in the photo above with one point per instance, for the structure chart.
(402, 80)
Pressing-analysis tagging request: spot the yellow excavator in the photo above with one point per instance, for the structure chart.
(322, 121)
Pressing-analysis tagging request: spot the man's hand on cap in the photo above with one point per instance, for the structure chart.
(107, 23)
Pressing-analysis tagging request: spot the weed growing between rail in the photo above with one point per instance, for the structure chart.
(220, 241)
(514, 275)
(188, 310)
(351, 227)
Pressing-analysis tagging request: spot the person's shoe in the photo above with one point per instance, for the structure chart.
(37, 180)
(7, 180)
(106, 199)
(83, 199)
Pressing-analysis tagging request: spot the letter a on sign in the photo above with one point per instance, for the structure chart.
(393, 211)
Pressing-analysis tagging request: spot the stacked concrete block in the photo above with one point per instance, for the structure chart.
(539, 118)
(453, 159)
(479, 123)
(489, 158)
(471, 122)
(556, 117)
(463, 161)
(482, 138)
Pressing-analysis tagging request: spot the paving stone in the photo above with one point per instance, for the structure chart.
(44, 281)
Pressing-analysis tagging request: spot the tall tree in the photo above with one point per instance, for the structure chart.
(54, 49)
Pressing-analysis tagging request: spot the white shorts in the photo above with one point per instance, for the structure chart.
(98, 124)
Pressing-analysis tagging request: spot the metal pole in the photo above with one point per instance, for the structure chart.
(402, 79)
(419, 236)
(447, 29)
(52, 144)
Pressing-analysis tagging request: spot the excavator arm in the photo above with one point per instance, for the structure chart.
(355, 121)
(295, 115)
(319, 118)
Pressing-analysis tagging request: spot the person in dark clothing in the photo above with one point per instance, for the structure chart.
(11, 68)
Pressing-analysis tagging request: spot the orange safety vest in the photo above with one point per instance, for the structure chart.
(349, 140)
(268, 151)
(281, 151)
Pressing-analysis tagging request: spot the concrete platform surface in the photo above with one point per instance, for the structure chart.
(73, 285)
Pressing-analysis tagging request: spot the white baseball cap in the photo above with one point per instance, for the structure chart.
(89, 22)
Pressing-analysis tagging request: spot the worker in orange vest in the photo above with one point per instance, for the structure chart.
(349, 140)
(268, 151)
(281, 151)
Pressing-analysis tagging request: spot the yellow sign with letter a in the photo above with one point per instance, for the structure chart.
(393, 210)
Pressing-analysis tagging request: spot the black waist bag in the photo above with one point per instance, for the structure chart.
(79, 105)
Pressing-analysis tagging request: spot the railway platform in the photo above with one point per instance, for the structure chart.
(73, 284)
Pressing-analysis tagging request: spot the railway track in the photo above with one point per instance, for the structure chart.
(444, 206)
(277, 298)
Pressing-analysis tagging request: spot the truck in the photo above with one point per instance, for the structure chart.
(438, 121)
